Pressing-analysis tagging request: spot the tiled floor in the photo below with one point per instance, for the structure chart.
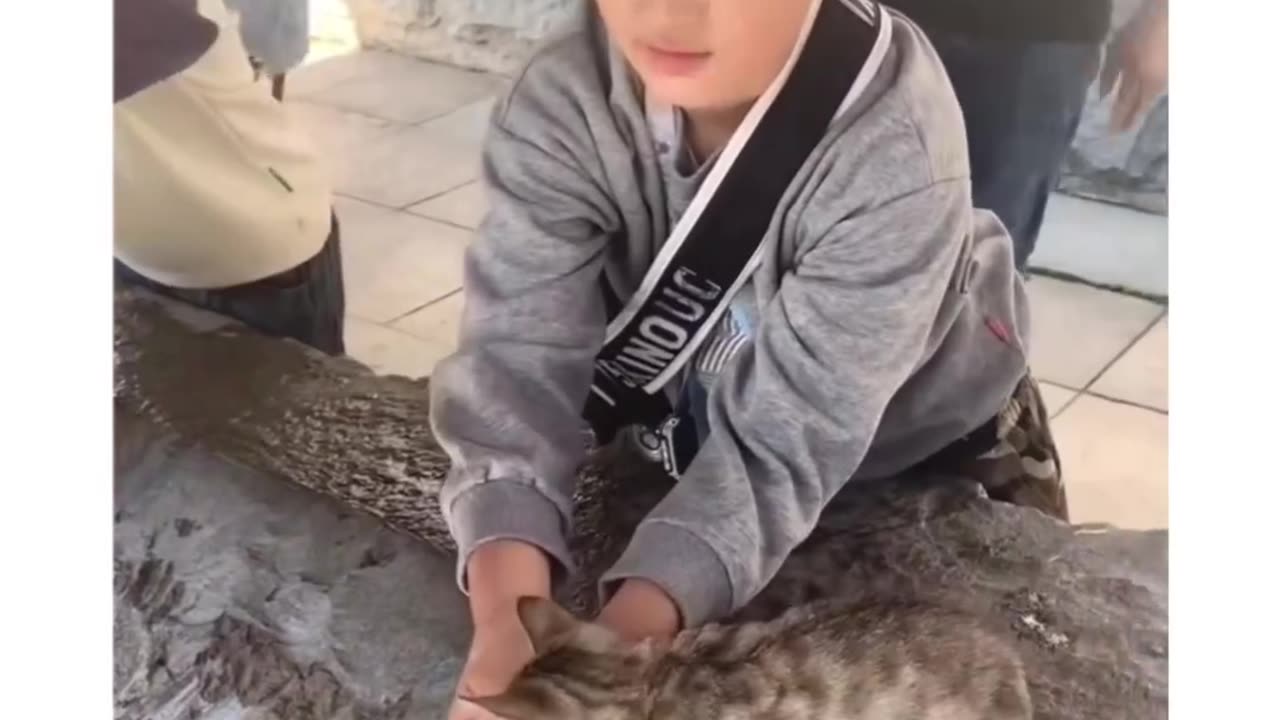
(404, 139)
(1128, 249)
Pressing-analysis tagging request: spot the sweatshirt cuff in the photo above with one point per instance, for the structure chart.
(682, 564)
(508, 510)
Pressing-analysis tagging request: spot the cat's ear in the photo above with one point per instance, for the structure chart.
(548, 625)
(511, 704)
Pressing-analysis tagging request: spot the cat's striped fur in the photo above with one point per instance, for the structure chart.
(823, 662)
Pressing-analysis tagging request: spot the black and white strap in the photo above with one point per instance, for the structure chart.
(716, 245)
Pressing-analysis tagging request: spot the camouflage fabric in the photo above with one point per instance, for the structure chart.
(1023, 466)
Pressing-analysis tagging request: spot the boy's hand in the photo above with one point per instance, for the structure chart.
(500, 649)
(639, 610)
(1139, 58)
(498, 574)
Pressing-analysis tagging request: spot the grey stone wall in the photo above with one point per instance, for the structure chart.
(493, 35)
(279, 551)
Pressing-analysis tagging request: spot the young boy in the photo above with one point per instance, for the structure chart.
(884, 328)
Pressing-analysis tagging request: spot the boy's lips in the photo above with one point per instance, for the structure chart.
(674, 62)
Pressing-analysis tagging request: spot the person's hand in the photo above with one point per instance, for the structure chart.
(498, 574)
(641, 610)
(1139, 58)
(500, 649)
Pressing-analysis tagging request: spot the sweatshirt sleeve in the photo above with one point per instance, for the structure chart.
(507, 406)
(794, 413)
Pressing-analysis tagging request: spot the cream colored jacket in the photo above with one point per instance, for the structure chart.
(216, 183)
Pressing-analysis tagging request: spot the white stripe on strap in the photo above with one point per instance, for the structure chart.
(718, 172)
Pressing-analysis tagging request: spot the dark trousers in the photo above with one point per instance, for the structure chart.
(1022, 106)
(307, 303)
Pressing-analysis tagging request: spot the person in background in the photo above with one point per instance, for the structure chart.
(221, 200)
(1021, 70)
(1138, 58)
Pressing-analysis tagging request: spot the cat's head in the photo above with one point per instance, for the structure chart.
(582, 671)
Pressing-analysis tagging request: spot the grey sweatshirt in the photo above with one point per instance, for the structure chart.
(882, 334)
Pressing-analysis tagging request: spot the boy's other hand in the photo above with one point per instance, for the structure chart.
(640, 610)
(500, 649)
(498, 574)
(1139, 58)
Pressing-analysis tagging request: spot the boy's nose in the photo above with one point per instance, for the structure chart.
(675, 12)
(673, 25)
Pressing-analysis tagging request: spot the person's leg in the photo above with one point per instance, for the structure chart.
(1013, 456)
(1022, 106)
(1022, 465)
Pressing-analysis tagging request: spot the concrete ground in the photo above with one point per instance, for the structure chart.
(404, 137)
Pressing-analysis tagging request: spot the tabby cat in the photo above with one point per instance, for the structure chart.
(822, 662)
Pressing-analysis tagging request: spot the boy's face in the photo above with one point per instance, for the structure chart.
(705, 54)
